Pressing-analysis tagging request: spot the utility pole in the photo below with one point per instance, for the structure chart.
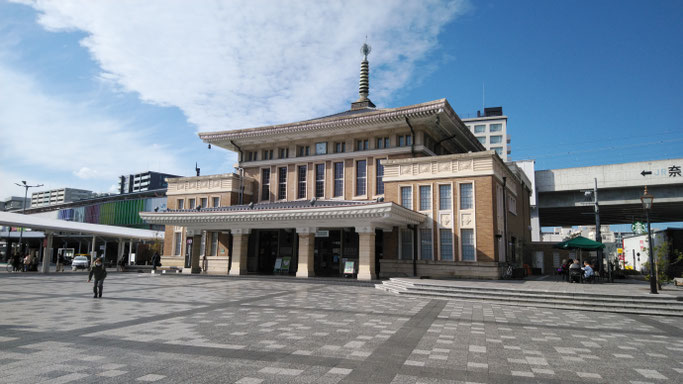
(598, 235)
(23, 212)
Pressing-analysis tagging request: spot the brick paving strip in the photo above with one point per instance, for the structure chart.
(387, 360)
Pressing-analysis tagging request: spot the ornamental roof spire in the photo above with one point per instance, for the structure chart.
(364, 84)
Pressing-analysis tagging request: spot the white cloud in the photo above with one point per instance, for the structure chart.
(46, 137)
(239, 64)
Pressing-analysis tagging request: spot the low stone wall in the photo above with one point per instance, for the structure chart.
(217, 265)
(172, 261)
(441, 269)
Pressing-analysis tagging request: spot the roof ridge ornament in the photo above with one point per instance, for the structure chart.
(364, 83)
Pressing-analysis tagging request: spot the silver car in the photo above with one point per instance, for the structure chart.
(80, 262)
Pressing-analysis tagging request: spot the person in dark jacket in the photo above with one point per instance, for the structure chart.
(156, 261)
(100, 274)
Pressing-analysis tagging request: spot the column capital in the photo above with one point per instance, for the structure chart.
(365, 229)
(240, 231)
(306, 230)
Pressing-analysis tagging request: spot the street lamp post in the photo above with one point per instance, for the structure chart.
(647, 200)
(23, 211)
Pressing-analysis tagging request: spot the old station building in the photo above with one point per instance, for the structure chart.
(366, 193)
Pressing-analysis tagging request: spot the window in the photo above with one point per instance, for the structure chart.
(321, 148)
(319, 180)
(479, 128)
(425, 244)
(406, 244)
(214, 244)
(466, 201)
(382, 142)
(406, 140)
(444, 196)
(338, 179)
(177, 240)
(361, 173)
(181, 203)
(380, 177)
(407, 197)
(482, 139)
(283, 153)
(301, 188)
(496, 139)
(495, 127)
(265, 184)
(268, 154)
(339, 147)
(303, 150)
(467, 236)
(425, 197)
(204, 202)
(216, 202)
(499, 150)
(446, 245)
(192, 203)
(512, 204)
(282, 183)
(361, 145)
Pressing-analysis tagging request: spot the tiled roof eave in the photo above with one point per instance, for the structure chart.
(378, 118)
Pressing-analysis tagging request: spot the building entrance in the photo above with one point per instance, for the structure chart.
(333, 249)
(266, 247)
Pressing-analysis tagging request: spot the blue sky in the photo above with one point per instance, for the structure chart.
(93, 90)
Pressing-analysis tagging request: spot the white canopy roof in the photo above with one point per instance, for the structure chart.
(54, 225)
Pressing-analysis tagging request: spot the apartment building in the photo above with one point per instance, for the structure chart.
(490, 128)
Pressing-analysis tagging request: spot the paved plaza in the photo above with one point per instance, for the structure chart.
(200, 329)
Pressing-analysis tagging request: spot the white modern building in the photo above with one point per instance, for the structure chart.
(491, 130)
(145, 181)
(58, 196)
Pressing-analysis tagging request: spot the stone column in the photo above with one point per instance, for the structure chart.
(47, 254)
(306, 266)
(366, 253)
(240, 244)
(119, 254)
(93, 250)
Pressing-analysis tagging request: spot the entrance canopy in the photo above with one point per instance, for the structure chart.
(579, 242)
(291, 214)
(54, 225)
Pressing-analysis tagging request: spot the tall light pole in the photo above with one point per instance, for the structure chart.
(647, 200)
(23, 211)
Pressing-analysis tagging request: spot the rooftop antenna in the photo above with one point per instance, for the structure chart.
(483, 96)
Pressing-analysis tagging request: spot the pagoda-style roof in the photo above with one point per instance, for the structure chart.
(436, 116)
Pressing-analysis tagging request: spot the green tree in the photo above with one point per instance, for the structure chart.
(664, 259)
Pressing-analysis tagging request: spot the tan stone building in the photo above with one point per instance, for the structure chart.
(367, 193)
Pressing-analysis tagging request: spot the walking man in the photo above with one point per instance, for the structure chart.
(100, 274)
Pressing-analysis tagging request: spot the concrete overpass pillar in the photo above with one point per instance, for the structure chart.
(93, 250)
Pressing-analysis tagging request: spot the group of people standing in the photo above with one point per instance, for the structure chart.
(572, 270)
(27, 263)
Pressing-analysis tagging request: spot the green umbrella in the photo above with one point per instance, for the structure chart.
(579, 242)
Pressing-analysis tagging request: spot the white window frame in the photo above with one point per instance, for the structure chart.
(270, 184)
(452, 241)
(375, 194)
(178, 201)
(474, 218)
(431, 199)
(400, 196)
(355, 178)
(438, 187)
(343, 179)
(419, 239)
(277, 197)
(296, 173)
(400, 243)
(315, 179)
(177, 252)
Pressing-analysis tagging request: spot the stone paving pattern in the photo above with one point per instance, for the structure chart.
(181, 329)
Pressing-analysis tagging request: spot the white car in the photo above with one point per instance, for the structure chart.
(80, 262)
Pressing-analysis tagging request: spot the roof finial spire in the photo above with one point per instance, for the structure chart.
(364, 84)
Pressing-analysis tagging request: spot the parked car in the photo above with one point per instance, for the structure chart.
(80, 262)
